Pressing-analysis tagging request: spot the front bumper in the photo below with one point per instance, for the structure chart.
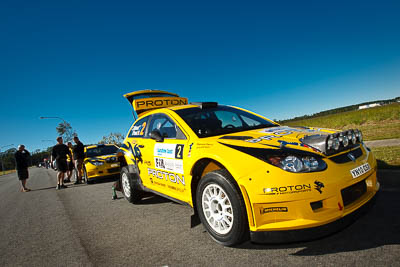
(313, 232)
(102, 171)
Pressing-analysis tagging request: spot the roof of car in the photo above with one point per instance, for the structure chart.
(98, 145)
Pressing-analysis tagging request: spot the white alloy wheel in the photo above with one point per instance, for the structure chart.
(126, 185)
(217, 209)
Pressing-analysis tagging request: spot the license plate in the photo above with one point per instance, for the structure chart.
(114, 165)
(360, 170)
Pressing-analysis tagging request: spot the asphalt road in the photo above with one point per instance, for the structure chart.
(381, 143)
(82, 226)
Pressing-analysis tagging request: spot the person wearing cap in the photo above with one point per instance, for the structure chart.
(59, 153)
(22, 163)
(79, 156)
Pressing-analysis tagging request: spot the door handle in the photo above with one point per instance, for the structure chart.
(141, 146)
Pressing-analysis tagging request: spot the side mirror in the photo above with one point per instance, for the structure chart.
(156, 135)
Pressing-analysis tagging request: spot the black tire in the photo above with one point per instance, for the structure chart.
(230, 226)
(129, 187)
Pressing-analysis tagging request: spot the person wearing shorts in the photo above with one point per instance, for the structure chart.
(79, 156)
(22, 163)
(59, 153)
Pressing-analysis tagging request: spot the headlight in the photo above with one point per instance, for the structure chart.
(297, 163)
(352, 137)
(333, 143)
(292, 164)
(345, 141)
(358, 135)
(97, 163)
(112, 159)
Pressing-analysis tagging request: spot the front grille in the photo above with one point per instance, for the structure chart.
(352, 193)
(345, 158)
(116, 169)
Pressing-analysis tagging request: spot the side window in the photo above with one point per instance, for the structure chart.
(166, 127)
(139, 128)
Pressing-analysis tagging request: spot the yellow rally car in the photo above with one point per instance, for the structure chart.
(245, 175)
(100, 162)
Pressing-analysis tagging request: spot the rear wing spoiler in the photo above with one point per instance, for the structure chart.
(146, 100)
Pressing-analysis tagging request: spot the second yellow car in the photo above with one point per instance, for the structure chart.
(100, 162)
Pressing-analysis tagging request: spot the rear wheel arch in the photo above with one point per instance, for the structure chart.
(122, 161)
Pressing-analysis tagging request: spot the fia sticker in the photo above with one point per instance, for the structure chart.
(171, 165)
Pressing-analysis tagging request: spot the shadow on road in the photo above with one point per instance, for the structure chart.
(45, 188)
(384, 165)
(151, 199)
(379, 227)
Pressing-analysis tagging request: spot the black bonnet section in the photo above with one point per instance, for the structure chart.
(262, 153)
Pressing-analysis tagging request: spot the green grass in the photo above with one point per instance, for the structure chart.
(376, 123)
(387, 157)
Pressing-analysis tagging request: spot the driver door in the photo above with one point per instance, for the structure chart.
(165, 169)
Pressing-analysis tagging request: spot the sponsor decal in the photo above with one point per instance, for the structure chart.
(139, 129)
(172, 165)
(135, 151)
(167, 176)
(147, 162)
(190, 150)
(318, 186)
(159, 102)
(290, 189)
(203, 145)
(171, 151)
(278, 132)
(273, 209)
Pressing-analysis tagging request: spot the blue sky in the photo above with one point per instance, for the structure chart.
(75, 59)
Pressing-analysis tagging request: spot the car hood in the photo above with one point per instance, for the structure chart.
(278, 137)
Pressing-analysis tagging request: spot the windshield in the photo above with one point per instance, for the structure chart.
(101, 151)
(221, 120)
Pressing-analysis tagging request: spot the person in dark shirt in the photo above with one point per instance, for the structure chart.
(22, 163)
(79, 156)
(59, 153)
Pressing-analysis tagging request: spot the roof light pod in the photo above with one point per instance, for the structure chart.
(345, 141)
(333, 143)
(352, 137)
(359, 135)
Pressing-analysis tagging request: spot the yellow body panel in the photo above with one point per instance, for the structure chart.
(100, 166)
(275, 199)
